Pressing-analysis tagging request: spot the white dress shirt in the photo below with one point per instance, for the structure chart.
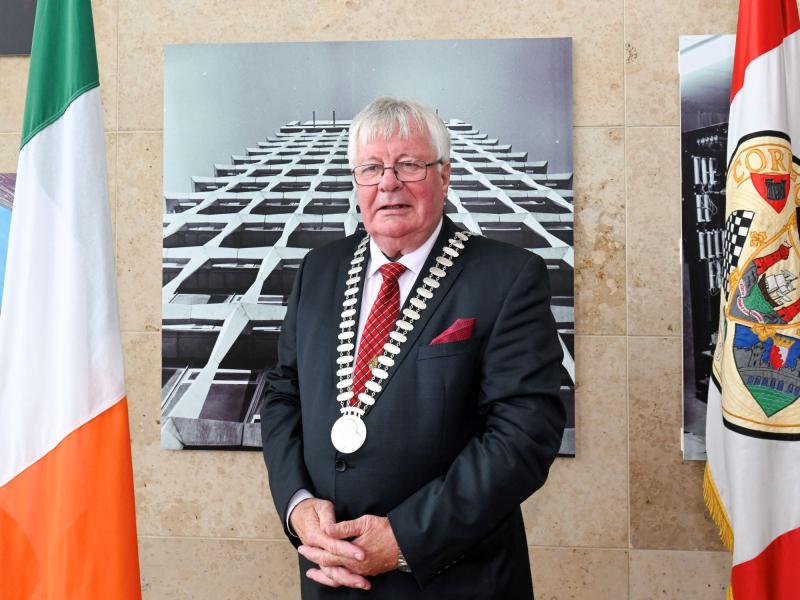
(413, 262)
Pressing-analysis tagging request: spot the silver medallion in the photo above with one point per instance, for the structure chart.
(348, 434)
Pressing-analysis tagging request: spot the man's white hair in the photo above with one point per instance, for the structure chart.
(387, 116)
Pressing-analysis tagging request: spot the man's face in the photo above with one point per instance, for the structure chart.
(399, 215)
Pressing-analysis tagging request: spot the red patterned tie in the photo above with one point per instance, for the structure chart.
(382, 317)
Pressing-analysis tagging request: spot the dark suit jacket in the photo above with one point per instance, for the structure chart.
(462, 433)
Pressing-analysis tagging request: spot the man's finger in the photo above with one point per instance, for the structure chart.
(320, 577)
(322, 557)
(345, 577)
(346, 529)
(339, 547)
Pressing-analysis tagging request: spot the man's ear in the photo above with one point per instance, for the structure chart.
(445, 173)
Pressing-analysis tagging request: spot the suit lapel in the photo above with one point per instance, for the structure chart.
(447, 231)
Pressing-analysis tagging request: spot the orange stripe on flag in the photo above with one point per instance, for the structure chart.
(773, 574)
(67, 522)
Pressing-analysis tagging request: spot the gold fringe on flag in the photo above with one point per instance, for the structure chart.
(717, 510)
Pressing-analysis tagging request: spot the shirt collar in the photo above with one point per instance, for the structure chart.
(413, 261)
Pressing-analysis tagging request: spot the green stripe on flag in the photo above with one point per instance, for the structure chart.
(63, 62)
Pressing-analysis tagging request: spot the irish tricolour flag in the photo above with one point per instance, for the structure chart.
(67, 521)
(752, 480)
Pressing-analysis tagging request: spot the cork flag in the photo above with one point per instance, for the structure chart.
(752, 477)
(67, 521)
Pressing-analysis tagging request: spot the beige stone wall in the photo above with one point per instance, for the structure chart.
(625, 519)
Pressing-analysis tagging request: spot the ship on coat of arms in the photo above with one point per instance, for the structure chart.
(766, 294)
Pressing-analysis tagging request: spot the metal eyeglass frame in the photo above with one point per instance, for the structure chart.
(396, 174)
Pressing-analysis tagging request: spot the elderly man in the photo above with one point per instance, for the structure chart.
(415, 403)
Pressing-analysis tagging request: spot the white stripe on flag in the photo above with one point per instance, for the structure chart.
(761, 104)
(59, 328)
(754, 498)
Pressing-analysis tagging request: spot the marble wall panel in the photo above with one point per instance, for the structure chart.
(14, 75)
(203, 494)
(575, 507)
(666, 499)
(653, 204)
(579, 573)
(202, 569)
(672, 574)
(143, 384)
(9, 152)
(599, 230)
(651, 53)
(145, 27)
(104, 14)
(139, 215)
(111, 165)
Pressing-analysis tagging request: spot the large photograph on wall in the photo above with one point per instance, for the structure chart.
(256, 175)
(706, 65)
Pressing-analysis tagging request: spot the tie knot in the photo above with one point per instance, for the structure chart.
(391, 271)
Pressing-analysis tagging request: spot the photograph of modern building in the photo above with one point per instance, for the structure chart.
(233, 243)
(706, 64)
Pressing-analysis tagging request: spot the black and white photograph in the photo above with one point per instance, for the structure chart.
(256, 174)
(706, 64)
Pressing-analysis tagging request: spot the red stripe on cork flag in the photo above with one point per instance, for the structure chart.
(773, 574)
(762, 26)
(67, 528)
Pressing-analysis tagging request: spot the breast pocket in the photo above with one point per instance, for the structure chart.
(447, 376)
(449, 349)
(443, 368)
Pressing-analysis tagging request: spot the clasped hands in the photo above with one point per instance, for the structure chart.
(373, 549)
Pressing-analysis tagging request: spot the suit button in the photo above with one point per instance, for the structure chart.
(340, 465)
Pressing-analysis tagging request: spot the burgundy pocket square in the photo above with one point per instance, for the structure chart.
(460, 330)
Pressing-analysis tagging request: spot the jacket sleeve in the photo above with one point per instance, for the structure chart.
(524, 421)
(281, 422)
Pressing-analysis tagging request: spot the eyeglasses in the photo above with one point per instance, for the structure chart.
(405, 171)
